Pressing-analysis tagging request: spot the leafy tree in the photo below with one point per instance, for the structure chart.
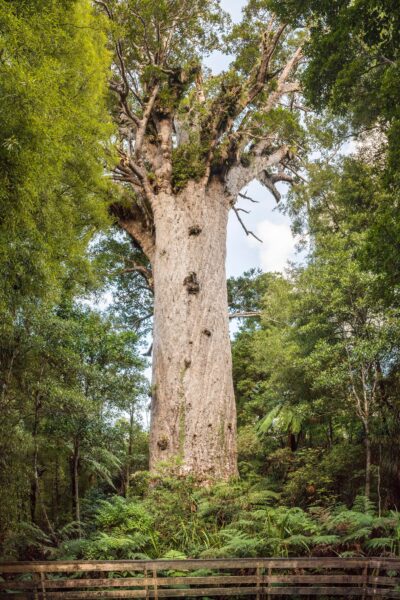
(73, 375)
(54, 134)
(189, 142)
(322, 362)
(53, 68)
(126, 279)
(352, 69)
(353, 64)
(363, 300)
(245, 294)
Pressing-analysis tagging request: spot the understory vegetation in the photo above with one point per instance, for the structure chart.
(315, 360)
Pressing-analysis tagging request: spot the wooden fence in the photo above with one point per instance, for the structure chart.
(258, 578)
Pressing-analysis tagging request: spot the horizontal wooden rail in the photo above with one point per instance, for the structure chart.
(259, 578)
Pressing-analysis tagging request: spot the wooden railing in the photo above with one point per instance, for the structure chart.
(259, 578)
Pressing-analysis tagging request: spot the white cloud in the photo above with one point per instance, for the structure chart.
(278, 245)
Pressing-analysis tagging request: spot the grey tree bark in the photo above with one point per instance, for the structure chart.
(193, 414)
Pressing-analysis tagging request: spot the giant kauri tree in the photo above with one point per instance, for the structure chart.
(189, 143)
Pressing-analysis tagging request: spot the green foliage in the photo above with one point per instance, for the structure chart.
(54, 131)
(72, 374)
(283, 418)
(204, 21)
(328, 337)
(124, 531)
(188, 164)
(353, 71)
(245, 293)
(353, 53)
(67, 373)
(131, 297)
(229, 520)
(316, 376)
(317, 476)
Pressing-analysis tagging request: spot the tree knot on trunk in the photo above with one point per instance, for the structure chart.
(163, 443)
(192, 284)
(195, 230)
(207, 332)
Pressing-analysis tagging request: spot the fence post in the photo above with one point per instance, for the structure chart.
(146, 587)
(155, 583)
(258, 572)
(43, 585)
(375, 574)
(36, 579)
(365, 580)
(269, 582)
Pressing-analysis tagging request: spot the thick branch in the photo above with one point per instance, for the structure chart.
(145, 120)
(239, 135)
(268, 47)
(239, 176)
(283, 86)
(144, 271)
(164, 171)
(232, 102)
(243, 315)
(134, 221)
(121, 90)
(270, 179)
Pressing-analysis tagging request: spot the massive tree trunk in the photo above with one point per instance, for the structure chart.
(182, 129)
(193, 425)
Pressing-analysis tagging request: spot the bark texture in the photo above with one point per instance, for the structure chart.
(193, 421)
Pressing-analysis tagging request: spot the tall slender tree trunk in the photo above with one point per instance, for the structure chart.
(367, 461)
(128, 465)
(34, 484)
(35, 475)
(74, 467)
(367, 402)
(56, 489)
(193, 424)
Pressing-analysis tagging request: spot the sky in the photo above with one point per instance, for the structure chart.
(264, 219)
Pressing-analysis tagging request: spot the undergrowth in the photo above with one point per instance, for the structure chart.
(170, 518)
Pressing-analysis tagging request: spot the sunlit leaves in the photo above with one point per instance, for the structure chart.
(54, 129)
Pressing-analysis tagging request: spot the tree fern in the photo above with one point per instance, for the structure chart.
(325, 540)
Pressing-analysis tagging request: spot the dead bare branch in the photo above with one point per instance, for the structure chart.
(246, 197)
(247, 231)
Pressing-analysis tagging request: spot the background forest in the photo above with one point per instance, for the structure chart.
(316, 365)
